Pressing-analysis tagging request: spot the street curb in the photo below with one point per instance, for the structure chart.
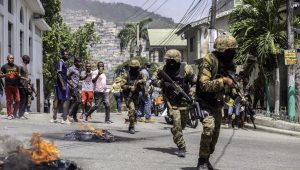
(273, 130)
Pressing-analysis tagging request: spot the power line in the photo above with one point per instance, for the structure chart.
(191, 8)
(161, 5)
(190, 15)
(135, 12)
(143, 10)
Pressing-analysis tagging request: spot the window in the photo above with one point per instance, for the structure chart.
(10, 6)
(30, 25)
(21, 16)
(192, 44)
(10, 37)
(21, 43)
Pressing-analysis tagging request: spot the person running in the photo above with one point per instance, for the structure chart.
(11, 72)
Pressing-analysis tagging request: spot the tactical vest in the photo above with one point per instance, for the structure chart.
(179, 78)
(130, 81)
(208, 98)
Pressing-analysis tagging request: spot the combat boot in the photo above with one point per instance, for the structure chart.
(181, 152)
(131, 130)
(204, 164)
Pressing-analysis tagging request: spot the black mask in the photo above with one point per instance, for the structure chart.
(134, 71)
(172, 64)
(229, 55)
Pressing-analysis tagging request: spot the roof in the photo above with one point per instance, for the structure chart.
(165, 37)
(41, 24)
(202, 21)
(36, 6)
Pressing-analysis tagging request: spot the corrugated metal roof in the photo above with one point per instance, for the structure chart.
(165, 37)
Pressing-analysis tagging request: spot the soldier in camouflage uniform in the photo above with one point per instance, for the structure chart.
(210, 91)
(134, 83)
(183, 75)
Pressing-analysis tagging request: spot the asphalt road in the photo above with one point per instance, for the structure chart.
(152, 146)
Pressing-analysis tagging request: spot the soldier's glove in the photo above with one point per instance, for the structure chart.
(227, 81)
(132, 88)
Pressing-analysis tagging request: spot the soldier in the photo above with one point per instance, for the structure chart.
(134, 83)
(183, 75)
(210, 91)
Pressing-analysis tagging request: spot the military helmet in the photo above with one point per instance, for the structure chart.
(134, 63)
(173, 54)
(224, 42)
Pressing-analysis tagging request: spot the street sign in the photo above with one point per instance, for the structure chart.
(290, 57)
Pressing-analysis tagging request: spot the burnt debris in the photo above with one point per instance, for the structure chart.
(90, 136)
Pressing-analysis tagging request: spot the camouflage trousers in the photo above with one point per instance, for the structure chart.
(211, 130)
(132, 105)
(179, 122)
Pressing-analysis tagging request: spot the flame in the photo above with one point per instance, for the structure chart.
(41, 151)
(98, 132)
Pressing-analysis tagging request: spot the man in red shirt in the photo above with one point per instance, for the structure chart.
(11, 72)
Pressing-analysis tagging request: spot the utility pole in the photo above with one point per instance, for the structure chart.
(137, 35)
(291, 68)
(212, 27)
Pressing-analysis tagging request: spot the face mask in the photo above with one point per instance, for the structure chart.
(171, 63)
(228, 55)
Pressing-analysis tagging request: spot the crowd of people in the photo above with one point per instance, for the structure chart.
(19, 90)
(208, 88)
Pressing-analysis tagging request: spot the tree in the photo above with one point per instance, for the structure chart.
(260, 31)
(84, 37)
(61, 37)
(128, 35)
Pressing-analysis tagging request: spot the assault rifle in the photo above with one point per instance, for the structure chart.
(248, 109)
(194, 105)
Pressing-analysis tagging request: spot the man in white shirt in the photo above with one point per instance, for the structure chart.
(100, 93)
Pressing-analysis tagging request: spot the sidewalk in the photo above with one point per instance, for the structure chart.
(275, 126)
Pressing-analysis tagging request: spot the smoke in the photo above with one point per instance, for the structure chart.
(13, 159)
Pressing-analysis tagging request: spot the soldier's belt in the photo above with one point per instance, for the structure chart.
(180, 108)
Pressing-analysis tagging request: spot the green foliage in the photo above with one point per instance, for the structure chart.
(61, 37)
(52, 11)
(128, 34)
(260, 31)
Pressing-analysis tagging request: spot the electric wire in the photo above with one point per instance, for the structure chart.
(153, 12)
(135, 12)
(191, 14)
(140, 13)
(185, 16)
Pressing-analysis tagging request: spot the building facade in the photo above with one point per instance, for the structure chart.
(21, 30)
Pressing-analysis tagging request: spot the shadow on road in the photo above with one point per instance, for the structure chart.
(189, 168)
(224, 149)
(169, 150)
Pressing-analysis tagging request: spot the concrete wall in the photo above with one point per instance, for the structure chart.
(34, 50)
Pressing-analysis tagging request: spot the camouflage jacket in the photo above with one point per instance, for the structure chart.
(134, 84)
(210, 88)
(188, 78)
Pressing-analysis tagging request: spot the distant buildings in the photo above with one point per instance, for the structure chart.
(108, 49)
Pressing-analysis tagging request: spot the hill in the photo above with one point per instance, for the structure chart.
(117, 12)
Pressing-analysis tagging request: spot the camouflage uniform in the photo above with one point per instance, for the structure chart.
(176, 106)
(130, 92)
(209, 92)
